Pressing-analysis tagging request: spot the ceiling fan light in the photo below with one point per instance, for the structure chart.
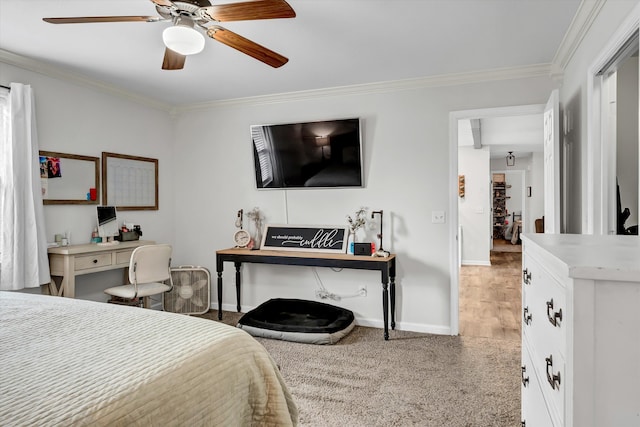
(183, 40)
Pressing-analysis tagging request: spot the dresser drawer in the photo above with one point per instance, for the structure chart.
(534, 408)
(544, 309)
(86, 262)
(123, 257)
(550, 369)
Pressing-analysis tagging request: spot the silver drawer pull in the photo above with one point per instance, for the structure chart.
(554, 379)
(526, 316)
(525, 380)
(556, 317)
(526, 276)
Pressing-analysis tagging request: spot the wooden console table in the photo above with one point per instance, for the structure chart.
(386, 266)
(67, 262)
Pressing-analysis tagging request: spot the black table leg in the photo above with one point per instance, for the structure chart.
(385, 309)
(219, 294)
(393, 302)
(238, 282)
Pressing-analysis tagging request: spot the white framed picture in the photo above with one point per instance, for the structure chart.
(316, 238)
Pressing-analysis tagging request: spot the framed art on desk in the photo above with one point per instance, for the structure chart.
(129, 182)
(304, 238)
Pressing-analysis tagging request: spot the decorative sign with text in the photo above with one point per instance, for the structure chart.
(304, 238)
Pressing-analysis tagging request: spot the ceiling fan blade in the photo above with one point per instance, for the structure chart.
(246, 46)
(173, 60)
(257, 9)
(166, 3)
(93, 19)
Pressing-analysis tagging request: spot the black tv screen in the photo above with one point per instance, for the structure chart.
(308, 155)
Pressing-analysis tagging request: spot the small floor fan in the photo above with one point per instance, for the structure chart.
(191, 293)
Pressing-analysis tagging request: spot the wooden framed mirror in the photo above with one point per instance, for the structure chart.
(69, 179)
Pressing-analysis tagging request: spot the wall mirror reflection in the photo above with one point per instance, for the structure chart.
(69, 179)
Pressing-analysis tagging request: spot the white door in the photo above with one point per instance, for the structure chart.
(552, 164)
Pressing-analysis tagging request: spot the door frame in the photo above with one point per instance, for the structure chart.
(599, 189)
(454, 261)
(551, 150)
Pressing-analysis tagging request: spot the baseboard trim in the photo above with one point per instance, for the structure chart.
(472, 262)
(371, 323)
(406, 326)
(231, 307)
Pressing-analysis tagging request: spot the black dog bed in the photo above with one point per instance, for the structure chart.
(298, 320)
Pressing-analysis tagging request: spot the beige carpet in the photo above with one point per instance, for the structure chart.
(411, 380)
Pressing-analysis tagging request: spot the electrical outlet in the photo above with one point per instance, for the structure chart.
(362, 290)
(437, 217)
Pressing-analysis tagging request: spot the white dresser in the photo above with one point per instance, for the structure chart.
(580, 331)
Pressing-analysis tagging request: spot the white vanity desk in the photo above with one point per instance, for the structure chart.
(67, 262)
(581, 330)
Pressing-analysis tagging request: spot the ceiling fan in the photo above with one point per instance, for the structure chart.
(183, 38)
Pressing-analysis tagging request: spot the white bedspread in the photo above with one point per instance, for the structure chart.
(72, 362)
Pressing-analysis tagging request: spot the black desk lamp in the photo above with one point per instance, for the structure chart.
(380, 252)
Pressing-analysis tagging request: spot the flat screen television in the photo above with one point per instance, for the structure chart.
(321, 154)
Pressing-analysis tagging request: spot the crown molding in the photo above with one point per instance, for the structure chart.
(49, 70)
(537, 70)
(529, 71)
(587, 12)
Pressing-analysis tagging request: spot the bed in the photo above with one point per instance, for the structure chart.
(72, 362)
(335, 176)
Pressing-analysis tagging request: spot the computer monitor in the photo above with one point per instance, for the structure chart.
(107, 222)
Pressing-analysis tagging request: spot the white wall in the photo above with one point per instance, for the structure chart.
(474, 210)
(535, 208)
(406, 154)
(79, 120)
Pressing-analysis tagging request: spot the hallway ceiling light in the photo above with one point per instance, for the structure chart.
(511, 159)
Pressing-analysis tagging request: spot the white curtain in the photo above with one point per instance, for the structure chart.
(23, 244)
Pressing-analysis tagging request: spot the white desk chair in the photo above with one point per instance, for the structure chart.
(149, 267)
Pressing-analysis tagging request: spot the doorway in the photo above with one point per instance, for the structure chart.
(612, 157)
(480, 208)
(620, 130)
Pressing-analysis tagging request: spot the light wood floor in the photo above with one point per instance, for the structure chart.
(490, 297)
